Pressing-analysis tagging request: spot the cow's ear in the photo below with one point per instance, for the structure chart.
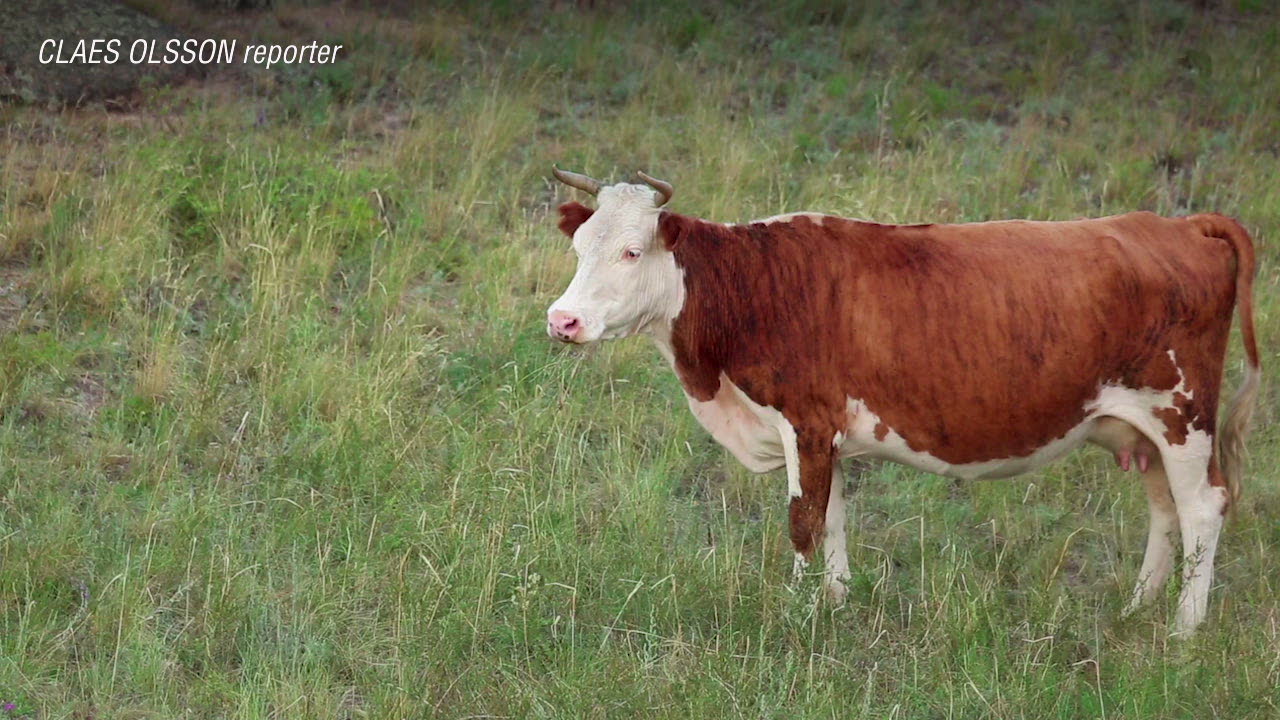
(573, 214)
(673, 228)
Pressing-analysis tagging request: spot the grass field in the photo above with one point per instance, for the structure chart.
(282, 435)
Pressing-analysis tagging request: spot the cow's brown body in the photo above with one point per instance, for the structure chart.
(974, 342)
(970, 346)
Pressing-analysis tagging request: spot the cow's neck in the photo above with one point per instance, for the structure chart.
(662, 331)
(697, 336)
(696, 385)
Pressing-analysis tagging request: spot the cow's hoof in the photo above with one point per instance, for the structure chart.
(836, 591)
(1184, 627)
(798, 566)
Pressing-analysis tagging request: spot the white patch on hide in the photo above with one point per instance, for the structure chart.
(816, 217)
(758, 436)
(791, 455)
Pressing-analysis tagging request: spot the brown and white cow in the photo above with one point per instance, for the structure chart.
(977, 350)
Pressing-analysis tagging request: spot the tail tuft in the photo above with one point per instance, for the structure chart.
(1231, 450)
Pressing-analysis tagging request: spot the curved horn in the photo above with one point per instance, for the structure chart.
(664, 188)
(576, 180)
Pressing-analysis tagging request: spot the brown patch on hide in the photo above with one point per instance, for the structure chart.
(881, 431)
(1176, 419)
(572, 215)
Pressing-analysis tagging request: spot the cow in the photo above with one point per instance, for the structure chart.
(976, 350)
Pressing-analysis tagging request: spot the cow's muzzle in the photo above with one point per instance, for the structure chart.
(564, 326)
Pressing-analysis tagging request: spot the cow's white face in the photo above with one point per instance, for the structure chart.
(627, 281)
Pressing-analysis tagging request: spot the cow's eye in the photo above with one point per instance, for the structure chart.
(631, 254)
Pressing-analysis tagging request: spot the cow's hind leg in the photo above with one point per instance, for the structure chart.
(1157, 563)
(1134, 448)
(1200, 504)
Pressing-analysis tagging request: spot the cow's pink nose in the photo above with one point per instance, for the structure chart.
(564, 326)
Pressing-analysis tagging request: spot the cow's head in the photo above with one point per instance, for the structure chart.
(627, 278)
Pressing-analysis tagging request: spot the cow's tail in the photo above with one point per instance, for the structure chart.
(1230, 449)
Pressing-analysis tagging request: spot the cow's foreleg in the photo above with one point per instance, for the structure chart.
(809, 509)
(833, 539)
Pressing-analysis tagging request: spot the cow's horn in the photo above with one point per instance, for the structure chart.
(663, 187)
(576, 180)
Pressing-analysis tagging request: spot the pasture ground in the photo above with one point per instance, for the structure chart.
(281, 434)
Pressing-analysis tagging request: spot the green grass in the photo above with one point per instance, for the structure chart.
(281, 435)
